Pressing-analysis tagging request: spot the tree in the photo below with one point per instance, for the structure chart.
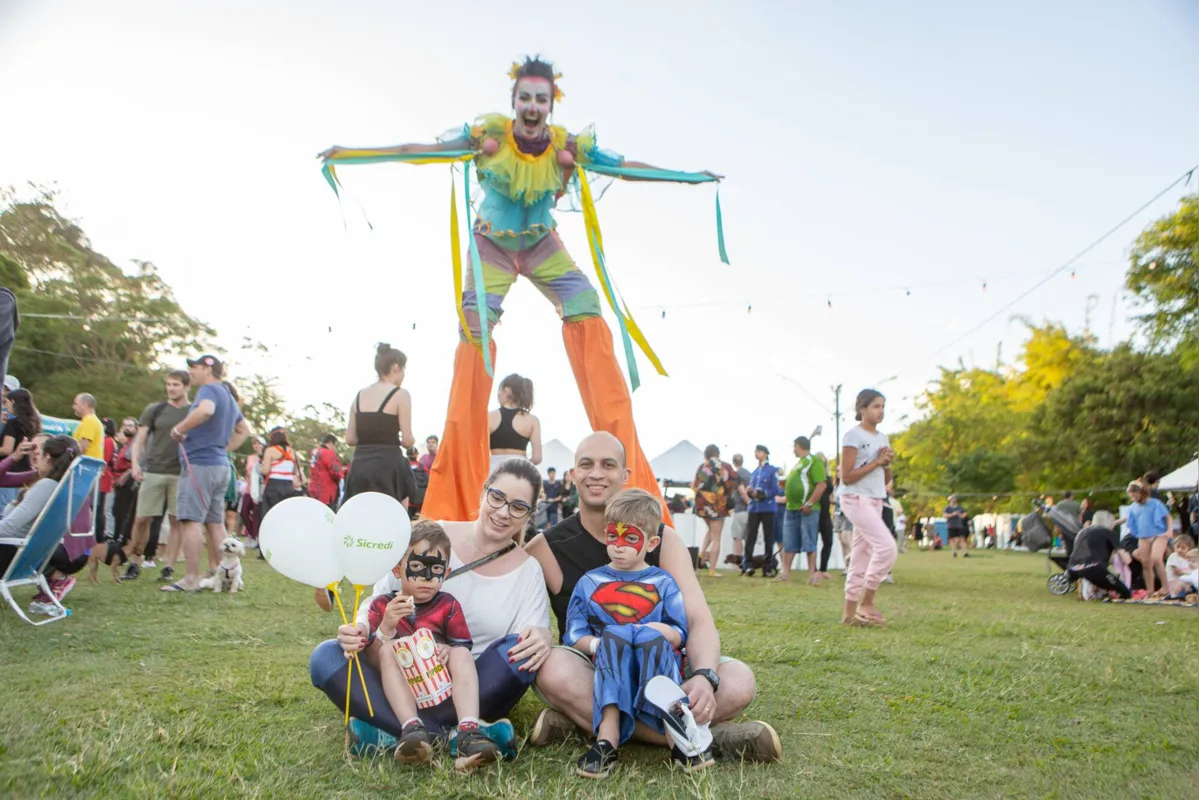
(1119, 415)
(1164, 276)
(86, 324)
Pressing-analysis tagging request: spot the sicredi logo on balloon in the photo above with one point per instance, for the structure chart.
(369, 545)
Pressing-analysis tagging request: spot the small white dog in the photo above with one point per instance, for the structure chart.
(228, 574)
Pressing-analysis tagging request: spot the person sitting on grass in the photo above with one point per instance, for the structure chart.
(51, 458)
(1093, 550)
(630, 617)
(420, 603)
(1182, 568)
(719, 688)
(502, 594)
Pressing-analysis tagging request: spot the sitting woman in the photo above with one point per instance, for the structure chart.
(512, 427)
(50, 461)
(502, 594)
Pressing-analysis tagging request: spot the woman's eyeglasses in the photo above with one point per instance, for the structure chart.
(517, 508)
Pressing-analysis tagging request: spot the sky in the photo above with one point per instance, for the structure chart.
(884, 161)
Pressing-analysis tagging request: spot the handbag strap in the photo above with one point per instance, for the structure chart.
(478, 562)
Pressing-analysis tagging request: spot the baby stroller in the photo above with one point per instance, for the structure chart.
(1036, 536)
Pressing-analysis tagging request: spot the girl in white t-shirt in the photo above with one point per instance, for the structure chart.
(866, 458)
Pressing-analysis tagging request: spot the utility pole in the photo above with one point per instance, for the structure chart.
(837, 420)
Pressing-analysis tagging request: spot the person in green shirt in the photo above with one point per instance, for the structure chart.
(806, 483)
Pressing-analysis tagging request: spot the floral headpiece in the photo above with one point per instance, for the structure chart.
(558, 95)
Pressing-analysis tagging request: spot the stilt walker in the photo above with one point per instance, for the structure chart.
(525, 165)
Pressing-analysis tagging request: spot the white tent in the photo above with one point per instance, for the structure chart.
(678, 464)
(557, 455)
(1182, 479)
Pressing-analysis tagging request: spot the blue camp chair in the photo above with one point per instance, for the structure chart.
(49, 529)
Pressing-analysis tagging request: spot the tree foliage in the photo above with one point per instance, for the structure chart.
(86, 324)
(1163, 275)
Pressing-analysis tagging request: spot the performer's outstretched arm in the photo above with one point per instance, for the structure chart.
(642, 165)
(460, 143)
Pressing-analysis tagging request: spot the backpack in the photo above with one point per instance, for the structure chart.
(155, 414)
(421, 478)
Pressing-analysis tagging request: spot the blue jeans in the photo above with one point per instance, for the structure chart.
(501, 686)
(801, 531)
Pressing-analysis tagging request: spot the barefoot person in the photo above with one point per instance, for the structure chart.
(1149, 522)
(719, 688)
(867, 455)
(502, 594)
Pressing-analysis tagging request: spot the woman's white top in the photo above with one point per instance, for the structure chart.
(874, 483)
(494, 606)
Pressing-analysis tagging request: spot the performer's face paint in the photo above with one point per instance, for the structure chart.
(532, 106)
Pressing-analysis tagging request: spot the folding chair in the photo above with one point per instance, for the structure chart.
(48, 531)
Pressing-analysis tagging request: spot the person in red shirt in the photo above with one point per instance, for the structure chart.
(124, 488)
(327, 472)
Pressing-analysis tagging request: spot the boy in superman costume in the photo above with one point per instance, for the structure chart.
(630, 617)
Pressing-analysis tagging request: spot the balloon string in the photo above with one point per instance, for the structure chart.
(337, 596)
(358, 661)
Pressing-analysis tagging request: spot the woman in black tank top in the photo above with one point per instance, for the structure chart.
(513, 428)
(380, 432)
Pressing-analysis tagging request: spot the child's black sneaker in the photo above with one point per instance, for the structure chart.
(691, 763)
(415, 744)
(474, 749)
(599, 761)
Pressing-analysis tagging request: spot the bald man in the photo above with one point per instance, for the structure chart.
(719, 688)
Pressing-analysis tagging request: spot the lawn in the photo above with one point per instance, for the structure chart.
(983, 685)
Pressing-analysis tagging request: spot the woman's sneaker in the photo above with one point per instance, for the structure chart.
(599, 760)
(62, 587)
(415, 744)
(474, 749)
(691, 763)
(364, 739)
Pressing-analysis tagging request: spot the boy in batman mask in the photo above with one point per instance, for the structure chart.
(420, 603)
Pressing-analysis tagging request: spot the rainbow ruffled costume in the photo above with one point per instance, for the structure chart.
(515, 235)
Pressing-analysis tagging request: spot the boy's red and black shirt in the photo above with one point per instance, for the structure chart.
(442, 616)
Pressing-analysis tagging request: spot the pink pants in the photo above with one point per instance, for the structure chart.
(874, 550)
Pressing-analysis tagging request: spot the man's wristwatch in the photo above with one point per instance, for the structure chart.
(710, 676)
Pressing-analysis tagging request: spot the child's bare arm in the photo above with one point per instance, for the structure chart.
(672, 635)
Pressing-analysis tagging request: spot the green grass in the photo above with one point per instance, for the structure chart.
(983, 685)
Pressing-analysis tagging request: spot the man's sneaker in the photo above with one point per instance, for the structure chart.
(148, 564)
(599, 761)
(62, 587)
(501, 732)
(691, 763)
(474, 750)
(167, 575)
(251, 544)
(133, 571)
(746, 741)
(364, 739)
(551, 727)
(415, 744)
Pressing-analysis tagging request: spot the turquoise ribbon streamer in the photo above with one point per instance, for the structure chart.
(626, 340)
(724, 256)
(672, 176)
(327, 167)
(476, 265)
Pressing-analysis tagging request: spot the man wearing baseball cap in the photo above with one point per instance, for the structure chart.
(213, 428)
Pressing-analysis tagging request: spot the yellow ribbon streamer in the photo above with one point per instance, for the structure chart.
(596, 238)
(456, 255)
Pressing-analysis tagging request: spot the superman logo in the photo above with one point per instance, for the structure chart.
(627, 602)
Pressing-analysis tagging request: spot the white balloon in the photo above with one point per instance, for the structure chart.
(372, 531)
(297, 539)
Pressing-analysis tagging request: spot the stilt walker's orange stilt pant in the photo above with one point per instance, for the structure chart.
(464, 456)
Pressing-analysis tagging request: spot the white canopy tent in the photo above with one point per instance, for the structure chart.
(678, 464)
(556, 454)
(1182, 479)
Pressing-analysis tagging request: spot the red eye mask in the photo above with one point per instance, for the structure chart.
(622, 535)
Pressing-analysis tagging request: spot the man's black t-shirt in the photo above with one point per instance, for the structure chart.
(1093, 547)
(955, 523)
(577, 553)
